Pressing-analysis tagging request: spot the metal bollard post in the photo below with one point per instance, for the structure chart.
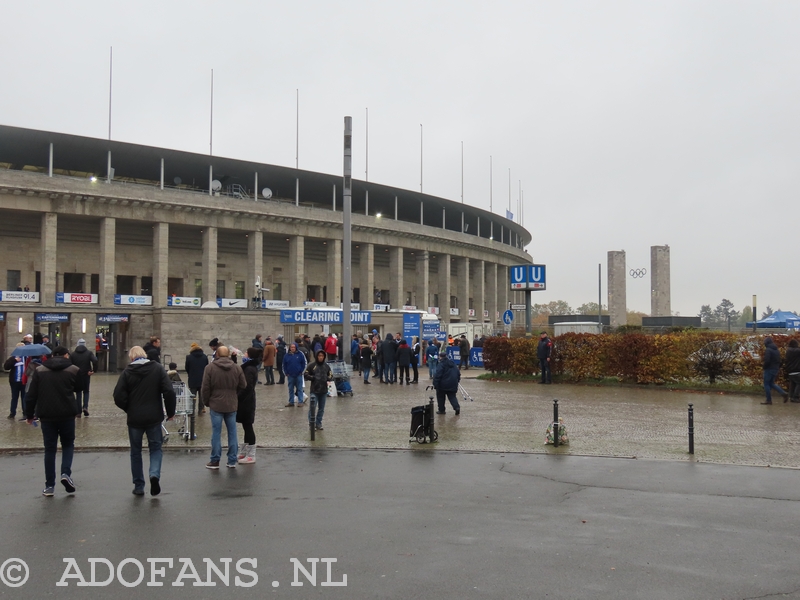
(691, 428)
(555, 424)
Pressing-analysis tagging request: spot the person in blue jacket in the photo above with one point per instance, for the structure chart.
(294, 365)
(446, 383)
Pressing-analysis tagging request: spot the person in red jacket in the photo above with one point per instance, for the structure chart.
(331, 348)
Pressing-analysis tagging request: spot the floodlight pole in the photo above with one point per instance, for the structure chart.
(347, 327)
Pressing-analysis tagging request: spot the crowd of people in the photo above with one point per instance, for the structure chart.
(52, 389)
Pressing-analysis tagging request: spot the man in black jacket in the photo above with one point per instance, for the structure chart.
(463, 353)
(280, 352)
(792, 368)
(139, 393)
(446, 383)
(195, 365)
(51, 399)
(86, 361)
(543, 351)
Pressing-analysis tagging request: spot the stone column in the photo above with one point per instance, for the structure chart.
(297, 271)
(334, 273)
(210, 264)
(478, 290)
(366, 282)
(617, 291)
(422, 289)
(491, 292)
(444, 287)
(49, 241)
(462, 289)
(396, 288)
(160, 264)
(108, 257)
(255, 262)
(503, 284)
(660, 304)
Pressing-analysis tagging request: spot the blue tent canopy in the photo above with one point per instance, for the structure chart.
(780, 319)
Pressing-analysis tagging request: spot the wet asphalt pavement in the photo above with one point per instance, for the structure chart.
(484, 513)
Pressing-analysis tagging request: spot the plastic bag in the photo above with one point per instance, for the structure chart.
(562, 433)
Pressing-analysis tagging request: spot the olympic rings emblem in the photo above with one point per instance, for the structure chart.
(638, 273)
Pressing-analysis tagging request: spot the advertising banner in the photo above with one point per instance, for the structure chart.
(231, 302)
(51, 317)
(138, 300)
(67, 298)
(430, 329)
(113, 318)
(381, 307)
(275, 304)
(360, 317)
(411, 326)
(19, 296)
(185, 301)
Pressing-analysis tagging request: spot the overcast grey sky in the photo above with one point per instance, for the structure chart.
(629, 124)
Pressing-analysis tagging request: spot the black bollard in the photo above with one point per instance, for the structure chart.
(555, 424)
(691, 428)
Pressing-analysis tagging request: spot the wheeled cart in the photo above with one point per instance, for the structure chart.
(184, 412)
(341, 372)
(422, 423)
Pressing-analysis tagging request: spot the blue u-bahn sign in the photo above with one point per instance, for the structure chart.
(528, 277)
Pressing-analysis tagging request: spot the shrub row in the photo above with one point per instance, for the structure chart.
(635, 357)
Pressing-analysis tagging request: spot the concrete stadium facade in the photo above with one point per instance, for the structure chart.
(87, 223)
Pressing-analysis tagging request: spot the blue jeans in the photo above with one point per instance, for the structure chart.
(319, 400)
(83, 396)
(154, 439)
(295, 383)
(17, 395)
(769, 384)
(51, 432)
(391, 371)
(432, 362)
(216, 431)
(367, 371)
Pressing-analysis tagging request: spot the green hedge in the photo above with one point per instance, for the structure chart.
(636, 357)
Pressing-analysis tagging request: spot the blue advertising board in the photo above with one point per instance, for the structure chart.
(411, 326)
(359, 317)
(112, 318)
(430, 329)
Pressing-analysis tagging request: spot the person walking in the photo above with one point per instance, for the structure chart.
(772, 365)
(222, 381)
(446, 383)
(269, 361)
(792, 370)
(246, 412)
(51, 399)
(543, 352)
(404, 355)
(145, 393)
(318, 373)
(15, 365)
(195, 365)
(86, 361)
(280, 352)
(294, 365)
(366, 361)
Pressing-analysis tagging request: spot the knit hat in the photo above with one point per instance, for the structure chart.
(194, 346)
(81, 342)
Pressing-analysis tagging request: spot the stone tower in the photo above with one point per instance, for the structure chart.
(617, 291)
(660, 305)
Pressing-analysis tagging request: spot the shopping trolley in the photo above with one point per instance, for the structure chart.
(422, 421)
(184, 412)
(341, 372)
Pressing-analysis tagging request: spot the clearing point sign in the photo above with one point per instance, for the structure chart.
(528, 277)
(357, 317)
